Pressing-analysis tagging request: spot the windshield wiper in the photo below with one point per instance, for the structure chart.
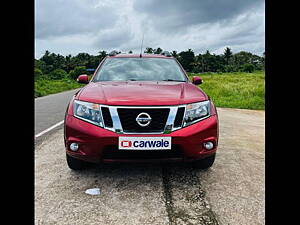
(174, 80)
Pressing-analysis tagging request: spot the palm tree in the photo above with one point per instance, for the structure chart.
(158, 50)
(174, 54)
(149, 50)
(227, 54)
(102, 55)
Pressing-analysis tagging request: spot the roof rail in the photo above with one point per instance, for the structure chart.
(166, 53)
(113, 53)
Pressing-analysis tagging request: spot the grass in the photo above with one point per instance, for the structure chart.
(43, 87)
(235, 90)
(230, 90)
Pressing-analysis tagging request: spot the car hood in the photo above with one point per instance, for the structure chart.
(141, 93)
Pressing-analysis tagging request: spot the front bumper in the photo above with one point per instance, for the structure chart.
(94, 141)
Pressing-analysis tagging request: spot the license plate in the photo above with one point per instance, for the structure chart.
(144, 143)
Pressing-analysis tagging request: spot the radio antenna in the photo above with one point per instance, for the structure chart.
(142, 46)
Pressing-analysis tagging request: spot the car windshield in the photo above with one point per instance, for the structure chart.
(140, 69)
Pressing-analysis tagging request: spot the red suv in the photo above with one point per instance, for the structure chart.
(140, 108)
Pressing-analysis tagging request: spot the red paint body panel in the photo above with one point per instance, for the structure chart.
(141, 93)
(84, 79)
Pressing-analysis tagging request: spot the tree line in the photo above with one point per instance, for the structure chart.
(56, 66)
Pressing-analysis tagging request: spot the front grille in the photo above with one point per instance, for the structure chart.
(179, 117)
(106, 117)
(112, 152)
(128, 119)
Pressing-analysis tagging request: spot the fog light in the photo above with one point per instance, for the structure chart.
(74, 147)
(208, 145)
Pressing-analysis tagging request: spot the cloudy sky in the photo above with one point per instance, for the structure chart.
(73, 26)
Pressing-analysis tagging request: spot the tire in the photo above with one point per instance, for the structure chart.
(205, 163)
(75, 164)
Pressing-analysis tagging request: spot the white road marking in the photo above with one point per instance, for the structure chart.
(50, 128)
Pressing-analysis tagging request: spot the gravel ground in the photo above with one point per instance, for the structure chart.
(235, 185)
(231, 192)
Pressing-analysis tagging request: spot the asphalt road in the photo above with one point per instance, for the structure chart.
(51, 109)
(230, 192)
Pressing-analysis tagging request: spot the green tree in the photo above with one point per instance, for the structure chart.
(197, 64)
(78, 70)
(37, 73)
(263, 60)
(174, 54)
(149, 50)
(82, 59)
(102, 55)
(48, 59)
(206, 62)
(58, 74)
(69, 63)
(248, 68)
(242, 58)
(157, 51)
(186, 58)
(227, 54)
(229, 68)
(219, 63)
(200, 60)
(59, 62)
(41, 65)
(206, 59)
(95, 61)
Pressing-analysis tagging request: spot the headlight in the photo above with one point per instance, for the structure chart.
(89, 112)
(196, 111)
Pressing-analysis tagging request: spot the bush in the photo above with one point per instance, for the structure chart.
(43, 87)
(37, 73)
(229, 68)
(78, 70)
(248, 68)
(58, 74)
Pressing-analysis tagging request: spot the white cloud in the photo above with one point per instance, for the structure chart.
(73, 26)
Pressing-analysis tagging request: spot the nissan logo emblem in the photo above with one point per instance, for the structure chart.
(143, 119)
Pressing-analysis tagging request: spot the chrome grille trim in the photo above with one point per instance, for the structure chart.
(117, 126)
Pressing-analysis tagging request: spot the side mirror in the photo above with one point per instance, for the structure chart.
(83, 79)
(196, 80)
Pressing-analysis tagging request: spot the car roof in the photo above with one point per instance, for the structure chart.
(138, 56)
